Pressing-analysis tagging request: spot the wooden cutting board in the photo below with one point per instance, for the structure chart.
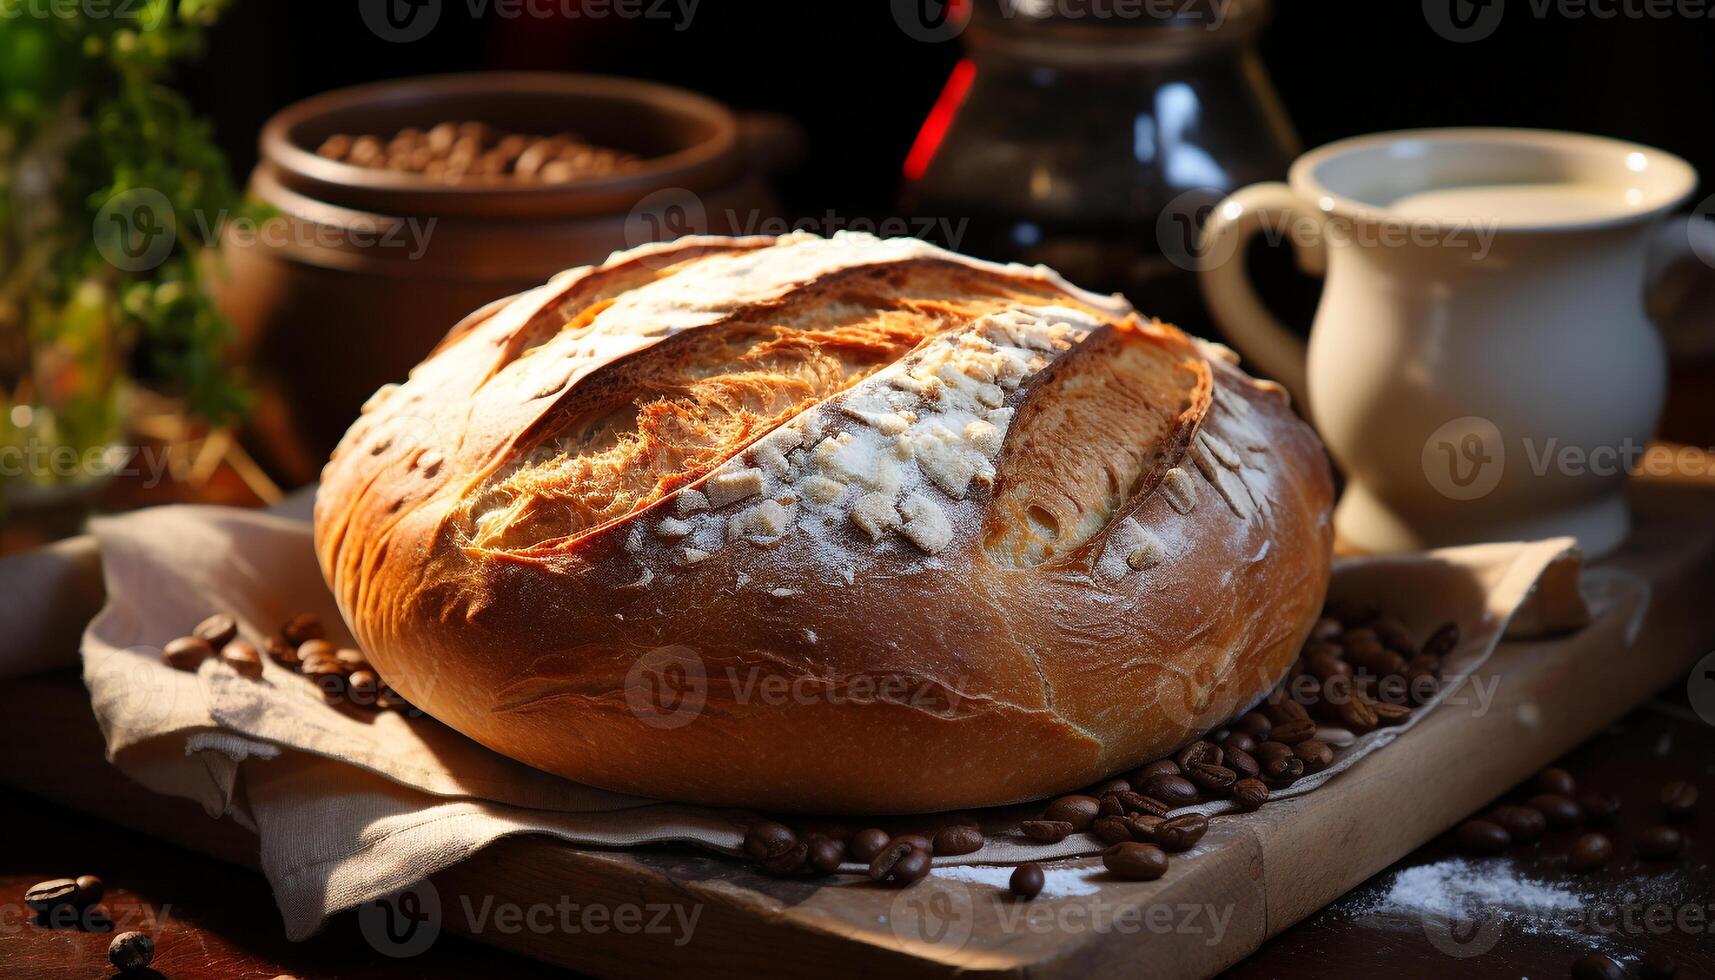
(1254, 875)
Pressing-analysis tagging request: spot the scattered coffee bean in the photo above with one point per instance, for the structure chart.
(186, 653)
(1660, 843)
(1482, 837)
(1256, 725)
(1181, 833)
(1110, 807)
(1138, 803)
(1389, 712)
(1242, 763)
(1679, 798)
(789, 861)
(1174, 791)
(1111, 830)
(282, 651)
(1293, 732)
(1283, 771)
(1160, 767)
(900, 864)
(1199, 753)
(1595, 966)
(826, 855)
(1271, 750)
(217, 630)
(44, 896)
(316, 648)
(302, 628)
(1557, 782)
(351, 659)
(1598, 806)
(242, 657)
(1658, 966)
(1250, 794)
(1135, 862)
(1561, 813)
(1238, 742)
(1076, 809)
(362, 685)
(915, 840)
(131, 951)
(1442, 641)
(766, 838)
(1027, 880)
(90, 889)
(1522, 823)
(1111, 786)
(1042, 831)
(1393, 635)
(867, 843)
(1143, 827)
(1315, 754)
(1589, 852)
(1212, 780)
(957, 839)
(1327, 666)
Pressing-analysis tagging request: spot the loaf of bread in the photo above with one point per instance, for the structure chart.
(837, 525)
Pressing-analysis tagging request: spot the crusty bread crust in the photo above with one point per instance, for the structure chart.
(841, 525)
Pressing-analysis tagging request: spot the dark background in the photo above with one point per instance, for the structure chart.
(860, 86)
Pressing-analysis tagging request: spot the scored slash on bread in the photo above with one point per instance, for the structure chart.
(993, 536)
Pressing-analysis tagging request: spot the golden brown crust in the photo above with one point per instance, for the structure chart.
(1048, 542)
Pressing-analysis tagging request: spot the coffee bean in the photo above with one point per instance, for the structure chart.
(1250, 794)
(1076, 809)
(1283, 771)
(217, 630)
(1482, 837)
(282, 651)
(766, 838)
(1598, 806)
(1130, 803)
(1198, 753)
(957, 839)
(1160, 767)
(242, 657)
(900, 865)
(1027, 880)
(1042, 831)
(131, 951)
(1181, 833)
(1660, 843)
(1238, 741)
(1389, 713)
(1242, 763)
(1561, 813)
(44, 896)
(1557, 782)
(1284, 711)
(1143, 827)
(351, 659)
(90, 889)
(1522, 823)
(1111, 830)
(1679, 798)
(1271, 750)
(1212, 780)
(1315, 753)
(1174, 791)
(1442, 641)
(1326, 666)
(915, 840)
(186, 652)
(1136, 862)
(316, 649)
(1256, 725)
(1360, 638)
(303, 627)
(867, 843)
(1595, 966)
(1293, 732)
(1658, 966)
(1393, 635)
(1110, 807)
(826, 855)
(1327, 628)
(1377, 661)
(789, 861)
(1111, 786)
(362, 686)
(1589, 852)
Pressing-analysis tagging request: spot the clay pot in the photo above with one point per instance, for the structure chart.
(364, 270)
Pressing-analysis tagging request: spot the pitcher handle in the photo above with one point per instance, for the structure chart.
(1677, 282)
(1223, 274)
